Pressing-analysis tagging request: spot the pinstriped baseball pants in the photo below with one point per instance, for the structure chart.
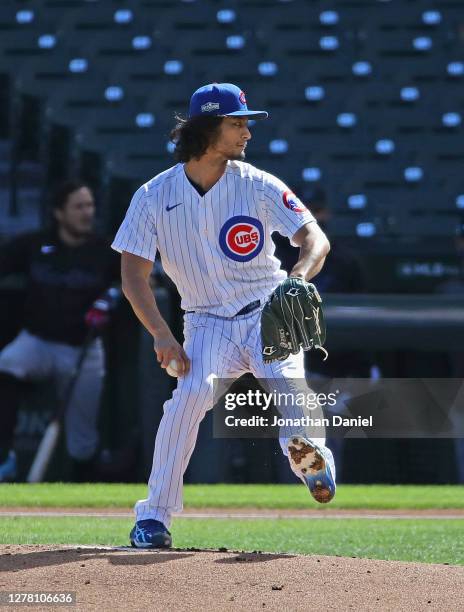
(218, 348)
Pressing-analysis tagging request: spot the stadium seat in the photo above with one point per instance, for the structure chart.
(17, 46)
(14, 17)
(191, 18)
(135, 170)
(345, 146)
(360, 101)
(352, 227)
(99, 16)
(133, 144)
(308, 44)
(425, 226)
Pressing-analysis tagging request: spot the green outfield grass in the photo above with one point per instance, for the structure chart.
(234, 496)
(406, 540)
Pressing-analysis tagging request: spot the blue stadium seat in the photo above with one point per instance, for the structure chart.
(452, 192)
(18, 46)
(427, 226)
(132, 144)
(378, 174)
(132, 44)
(311, 120)
(308, 44)
(137, 171)
(345, 146)
(285, 19)
(352, 227)
(15, 17)
(326, 69)
(215, 45)
(99, 16)
(153, 69)
(42, 75)
(157, 4)
(359, 100)
(227, 69)
(192, 17)
(404, 119)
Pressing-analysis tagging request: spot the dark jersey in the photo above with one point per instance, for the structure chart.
(62, 281)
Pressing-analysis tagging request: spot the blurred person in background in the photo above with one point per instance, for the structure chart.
(69, 271)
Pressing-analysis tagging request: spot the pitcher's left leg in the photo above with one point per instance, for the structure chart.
(304, 445)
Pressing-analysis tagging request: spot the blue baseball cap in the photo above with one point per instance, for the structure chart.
(222, 99)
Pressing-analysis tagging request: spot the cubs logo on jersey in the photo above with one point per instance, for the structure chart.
(292, 202)
(241, 238)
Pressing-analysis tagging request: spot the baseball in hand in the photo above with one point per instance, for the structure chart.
(172, 368)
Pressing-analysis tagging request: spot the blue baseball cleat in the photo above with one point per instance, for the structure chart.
(315, 466)
(150, 534)
(8, 468)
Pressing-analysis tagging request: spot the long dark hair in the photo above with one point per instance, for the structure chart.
(193, 136)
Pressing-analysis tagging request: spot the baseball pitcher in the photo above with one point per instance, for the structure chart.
(211, 217)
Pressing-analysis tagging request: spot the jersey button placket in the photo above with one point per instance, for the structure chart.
(204, 223)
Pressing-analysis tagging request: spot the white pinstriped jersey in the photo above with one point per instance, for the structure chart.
(216, 248)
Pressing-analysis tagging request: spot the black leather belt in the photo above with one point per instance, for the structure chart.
(245, 310)
(249, 308)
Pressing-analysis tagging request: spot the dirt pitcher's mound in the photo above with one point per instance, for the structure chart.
(128, 579)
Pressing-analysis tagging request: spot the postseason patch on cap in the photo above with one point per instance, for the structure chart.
(209, 106)
(292, 202)
(242, 98)
(241, 238)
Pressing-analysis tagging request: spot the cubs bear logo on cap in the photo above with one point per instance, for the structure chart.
(292, 202)
(221, 99)
(241, 238)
